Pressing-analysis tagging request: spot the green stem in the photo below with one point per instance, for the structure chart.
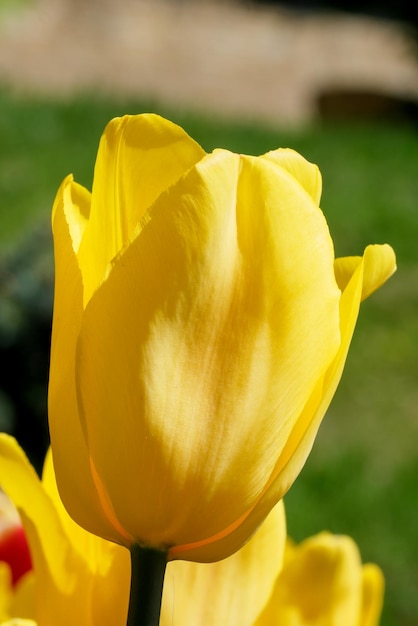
(148, 569)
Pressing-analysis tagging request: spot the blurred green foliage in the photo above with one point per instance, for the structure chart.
(361, 477)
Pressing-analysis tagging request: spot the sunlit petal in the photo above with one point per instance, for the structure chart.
(379, 262)
(139, 157)
(307, 174)
(72, 457)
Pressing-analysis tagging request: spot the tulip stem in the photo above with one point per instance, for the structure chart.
(147, 580)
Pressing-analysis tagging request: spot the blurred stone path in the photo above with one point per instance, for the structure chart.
(222, 57)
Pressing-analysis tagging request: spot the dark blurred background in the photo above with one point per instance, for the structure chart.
(401, 10)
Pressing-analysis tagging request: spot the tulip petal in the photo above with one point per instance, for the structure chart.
(372, 599)
(110, 587)
(6, 591)
(23, 603)
(75, 201)
(72, 462)
(307, 174)
(108, 562)
(59, 574)
(344, 268)
(212, 352)
(233, 591)
(87, 546)
(75, 573)
(380, 264)
(319, 584)
(139, 157)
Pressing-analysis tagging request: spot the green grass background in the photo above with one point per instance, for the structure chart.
(362, 475)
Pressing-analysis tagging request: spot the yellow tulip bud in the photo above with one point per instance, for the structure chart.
(199, 334)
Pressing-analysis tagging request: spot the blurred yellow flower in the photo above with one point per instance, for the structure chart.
(77, 578)
(199, 334)
(323, 583)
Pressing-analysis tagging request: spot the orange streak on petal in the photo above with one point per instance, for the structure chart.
(108, 509)
(173, 552)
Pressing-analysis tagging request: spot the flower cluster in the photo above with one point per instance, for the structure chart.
(201, 325)
(85, 580)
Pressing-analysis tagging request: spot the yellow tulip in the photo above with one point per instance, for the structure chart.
(324, 583)
(78, 579)
(199, 333)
